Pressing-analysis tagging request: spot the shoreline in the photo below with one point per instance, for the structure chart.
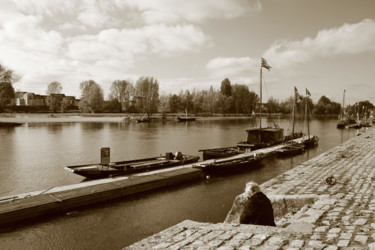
(120, 117)
(115, 118)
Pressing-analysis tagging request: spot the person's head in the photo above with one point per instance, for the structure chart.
(252, 188)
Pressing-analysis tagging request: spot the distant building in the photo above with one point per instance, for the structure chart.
(29, 99)
(38, 100)
(264, 108)
(70, 100)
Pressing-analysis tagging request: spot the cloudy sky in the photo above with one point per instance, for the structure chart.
(325, 46)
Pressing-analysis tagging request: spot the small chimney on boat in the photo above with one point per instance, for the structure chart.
(105, 155)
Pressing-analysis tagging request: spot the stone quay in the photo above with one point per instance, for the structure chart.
(327, 202)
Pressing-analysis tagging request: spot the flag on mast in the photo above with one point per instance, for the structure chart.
(308, 92)
(264, 64)
(298, 97)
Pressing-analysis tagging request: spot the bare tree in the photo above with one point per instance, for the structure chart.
(147, 88)
(92, 99)
(7, 94)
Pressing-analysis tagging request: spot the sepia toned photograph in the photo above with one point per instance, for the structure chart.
(166, 124)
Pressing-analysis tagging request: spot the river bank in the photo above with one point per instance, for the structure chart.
(24, 118)
(114, 118)
(339, 214)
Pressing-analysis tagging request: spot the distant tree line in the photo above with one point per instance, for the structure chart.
(143, 97)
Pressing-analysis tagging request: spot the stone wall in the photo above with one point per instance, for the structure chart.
(338, 215)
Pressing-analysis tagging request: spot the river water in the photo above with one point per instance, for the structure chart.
(33, 156)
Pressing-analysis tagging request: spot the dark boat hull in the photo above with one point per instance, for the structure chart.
(144, 120)
(311, 142)
(10, 124)
(96, 171)
(185, 119)
(215, 153)
(230, 165)
(291, 150)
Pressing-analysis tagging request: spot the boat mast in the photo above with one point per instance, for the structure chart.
(260, 106)
(294, 113)
(307, 117)
(343, 106)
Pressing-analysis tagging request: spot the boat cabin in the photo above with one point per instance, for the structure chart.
(263, 137)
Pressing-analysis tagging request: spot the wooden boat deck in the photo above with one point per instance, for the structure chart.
(263, 151)
(65, 198)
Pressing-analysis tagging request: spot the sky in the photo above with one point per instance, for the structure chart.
(324, 46)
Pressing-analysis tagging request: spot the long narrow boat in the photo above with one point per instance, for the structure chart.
(144, 119)
(236, 162)
(214, 153)
(185, 118)
(10, 124)
(290, 150)
(95, 171)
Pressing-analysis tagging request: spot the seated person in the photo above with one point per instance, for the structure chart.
(258, 208)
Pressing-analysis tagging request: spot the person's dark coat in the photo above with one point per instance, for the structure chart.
(258, 211)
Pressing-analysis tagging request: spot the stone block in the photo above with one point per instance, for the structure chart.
(361, 239)
(297, 243)
(343, 243)
(316, 244)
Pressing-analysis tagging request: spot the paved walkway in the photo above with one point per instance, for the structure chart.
(341, 216)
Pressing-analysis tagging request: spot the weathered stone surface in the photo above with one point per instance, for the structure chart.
(310, 214)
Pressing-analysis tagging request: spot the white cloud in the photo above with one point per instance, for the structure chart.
(126, 44)
(347, 39)
(232, 66)
(193, 10)
(45, 7)
(174, 86)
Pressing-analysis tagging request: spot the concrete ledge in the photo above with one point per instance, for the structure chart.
(196, 235)
(63, 199)
(283, 206)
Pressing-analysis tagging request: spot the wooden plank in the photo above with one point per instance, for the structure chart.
(28, 208)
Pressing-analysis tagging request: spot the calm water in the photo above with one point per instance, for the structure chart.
(33, 156)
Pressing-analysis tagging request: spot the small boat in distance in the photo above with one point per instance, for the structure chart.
(144, 119)
(110, 169)
(10, 124)
(185, 118)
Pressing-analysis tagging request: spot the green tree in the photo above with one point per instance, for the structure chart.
(244, 100)
(7, 93)
(164, 104)
(273, 105)
(147, 88)
(92, 99)
(226, 87)
(174, 103)
(323, 106)
(187, 101)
